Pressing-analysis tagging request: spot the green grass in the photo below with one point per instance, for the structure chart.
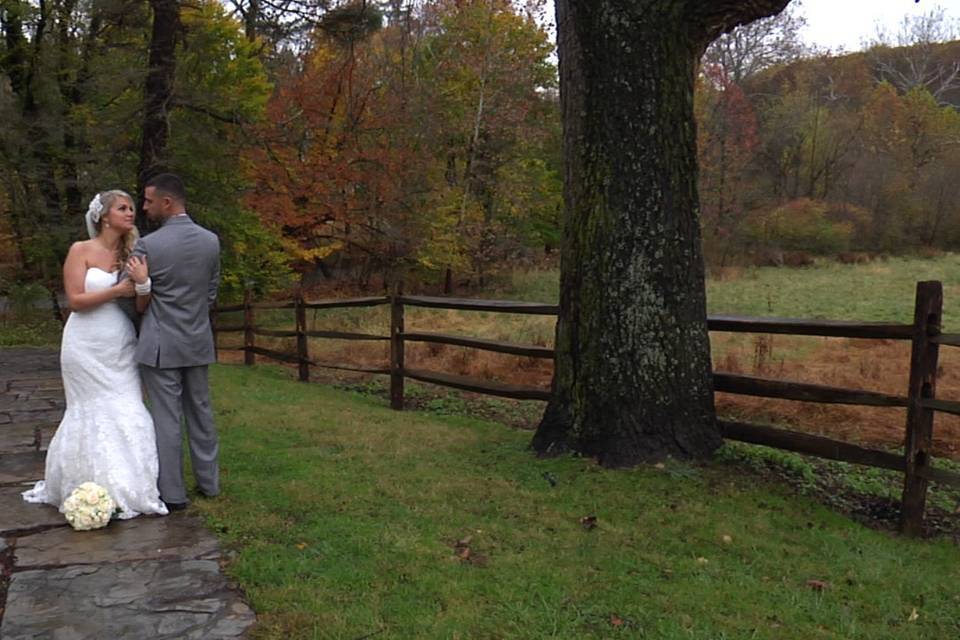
(873, 292)
(344, 519)
(877, 291)
(31, 331)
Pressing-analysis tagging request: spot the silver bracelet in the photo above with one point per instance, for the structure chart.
(143, 289)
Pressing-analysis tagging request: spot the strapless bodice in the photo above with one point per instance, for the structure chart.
(97, 279)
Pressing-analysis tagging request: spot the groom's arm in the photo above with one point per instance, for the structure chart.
(214, 285)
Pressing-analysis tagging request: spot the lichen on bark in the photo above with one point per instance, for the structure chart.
(633, 380)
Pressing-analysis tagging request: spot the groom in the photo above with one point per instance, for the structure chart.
(176, 343)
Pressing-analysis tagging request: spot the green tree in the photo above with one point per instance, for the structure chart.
(76, 74)
(219, 95)
(490, 83)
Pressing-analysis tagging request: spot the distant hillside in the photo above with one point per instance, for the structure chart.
(828, 155)
(935, 66)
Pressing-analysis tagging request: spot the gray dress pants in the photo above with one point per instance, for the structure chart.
(183, 395)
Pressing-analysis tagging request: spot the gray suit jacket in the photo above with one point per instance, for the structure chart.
(184, 263)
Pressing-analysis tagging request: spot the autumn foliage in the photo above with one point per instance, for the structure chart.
(399, 147)
(826, 155)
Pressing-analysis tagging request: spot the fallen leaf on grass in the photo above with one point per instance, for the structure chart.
(462, 548)
(616, 620)
(464, 553)
(818, 585)
(301, 545)
(588, 522)
(914, 616)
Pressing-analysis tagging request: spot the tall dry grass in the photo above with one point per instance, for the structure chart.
(834, 291)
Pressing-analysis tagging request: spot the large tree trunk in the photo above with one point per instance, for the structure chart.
(157, 94)
(633, 377)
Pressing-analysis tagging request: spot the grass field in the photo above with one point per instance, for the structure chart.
(879, 291)
(348, 520)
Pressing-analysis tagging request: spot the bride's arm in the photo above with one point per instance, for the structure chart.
(74, 275)
(143, 302)
(140, 273)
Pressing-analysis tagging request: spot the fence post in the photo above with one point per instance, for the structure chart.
(396, 347)
(923, 385)
(249, 357)
(303, 352)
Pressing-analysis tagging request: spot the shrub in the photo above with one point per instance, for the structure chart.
(801, 225)
(28, 298)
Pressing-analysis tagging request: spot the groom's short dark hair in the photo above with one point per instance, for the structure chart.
(169, 184)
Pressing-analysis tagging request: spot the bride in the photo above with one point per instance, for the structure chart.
(106, 435)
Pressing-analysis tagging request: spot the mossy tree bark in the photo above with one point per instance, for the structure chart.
(633, 377)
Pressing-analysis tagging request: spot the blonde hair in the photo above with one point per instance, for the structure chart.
(129, 239)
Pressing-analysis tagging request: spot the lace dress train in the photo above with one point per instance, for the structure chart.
(106, 435)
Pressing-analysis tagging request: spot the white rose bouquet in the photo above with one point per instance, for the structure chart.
(88, 507)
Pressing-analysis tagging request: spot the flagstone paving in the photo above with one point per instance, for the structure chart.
(150, 577)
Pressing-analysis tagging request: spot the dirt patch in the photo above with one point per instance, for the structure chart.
(835, 486)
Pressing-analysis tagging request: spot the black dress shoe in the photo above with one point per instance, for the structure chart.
(175, 506)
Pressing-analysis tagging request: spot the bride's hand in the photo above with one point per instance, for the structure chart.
(124, 288)
(137, 268)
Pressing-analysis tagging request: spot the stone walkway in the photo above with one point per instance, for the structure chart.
(149, 577)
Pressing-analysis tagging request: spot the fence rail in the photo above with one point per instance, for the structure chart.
(921, 404)
(804, 392)
(826, 328)
(529, 351)
(502, 306)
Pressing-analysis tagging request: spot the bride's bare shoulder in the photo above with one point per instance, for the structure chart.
(81, 246)
(79, 250)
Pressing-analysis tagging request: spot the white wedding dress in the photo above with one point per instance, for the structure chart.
(106, 435)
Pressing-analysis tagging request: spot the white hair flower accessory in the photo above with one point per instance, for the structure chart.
(94, 211)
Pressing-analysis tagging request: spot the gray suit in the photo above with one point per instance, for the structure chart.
(175, 347)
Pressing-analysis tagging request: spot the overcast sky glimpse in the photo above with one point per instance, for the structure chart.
(836, 24)
(846, 23)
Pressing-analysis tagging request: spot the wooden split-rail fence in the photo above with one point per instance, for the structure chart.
(920, 400)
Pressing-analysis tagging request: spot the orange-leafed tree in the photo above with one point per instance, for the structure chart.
(418, 144)
(336, 170)
(727, 139)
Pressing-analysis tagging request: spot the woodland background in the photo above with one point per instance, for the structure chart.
(351, 143)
